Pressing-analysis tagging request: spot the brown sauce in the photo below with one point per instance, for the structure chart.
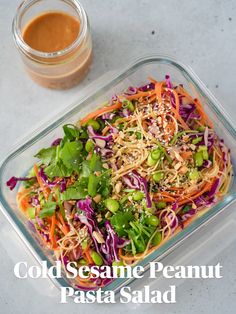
(51, 31)
(54, 31)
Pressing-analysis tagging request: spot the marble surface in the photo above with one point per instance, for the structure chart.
(200, 33)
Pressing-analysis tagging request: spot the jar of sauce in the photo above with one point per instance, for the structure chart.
(54, 40)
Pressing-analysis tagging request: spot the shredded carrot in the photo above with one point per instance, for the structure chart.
(200, 109)
(100, 111)
(139, 95)
(152, 80)
(164, 196)
(186, 155)
(65, 228)
(178, 117)
(149, 100)
(85, 284)
(52, 230)
(190, 197)
(104, 131)
(205, 118)
(164, 199)
(42, 238)
(158, 91)
(170, 128)
(88, 255)
(25, 203)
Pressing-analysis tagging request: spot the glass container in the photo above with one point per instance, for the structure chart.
(135, 74)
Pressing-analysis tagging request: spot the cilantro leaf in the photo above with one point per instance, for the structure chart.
(71, 131)
(48, 209)
(57, 169)
(92, 184)
(76, 191)
(120, 222)
(105, 183)
(47, 155)
(73, 194)
(70, 155)
(95, 163)
(85, 169)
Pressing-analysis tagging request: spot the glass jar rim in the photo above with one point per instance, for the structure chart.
(26, 49)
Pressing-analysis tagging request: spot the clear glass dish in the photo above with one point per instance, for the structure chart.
(136, 73)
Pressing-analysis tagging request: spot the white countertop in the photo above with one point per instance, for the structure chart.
(201, 34)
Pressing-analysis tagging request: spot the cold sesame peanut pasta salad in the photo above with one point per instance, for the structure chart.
(125, 178)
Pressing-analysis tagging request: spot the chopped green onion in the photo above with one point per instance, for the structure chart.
(118, 264)
(196, 140)
(124, 199)
(193, 174)
(129, 190)
(115, 263)
(82, 262)
(96, 258)
(128, 104)
(176, 136)
(164, 152)
(94, 124)
(201, 148)
(31, 212)
(89, 146)
(201, 128)
(138, 135)
(84, 244)
(198, 159)
(205, 155)
(157, 238)
(161, 205)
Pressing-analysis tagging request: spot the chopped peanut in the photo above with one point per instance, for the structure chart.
(97, 198)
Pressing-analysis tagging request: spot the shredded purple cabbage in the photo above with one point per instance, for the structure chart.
(189, 214)
(108, 116)
(207, 163)
(56, 142)
(12, 182)
(109, 249)
(131, 90)
(125, 113)
(147, 87)
(110, 246)
(175, 206)
(168, 82)
(214, 188)
(135, 181)
(61, 183)
(94, 135)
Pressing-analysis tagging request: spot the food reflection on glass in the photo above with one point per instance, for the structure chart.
(54, 40)
(126, 178)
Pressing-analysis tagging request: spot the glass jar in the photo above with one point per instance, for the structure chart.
(60, 69)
